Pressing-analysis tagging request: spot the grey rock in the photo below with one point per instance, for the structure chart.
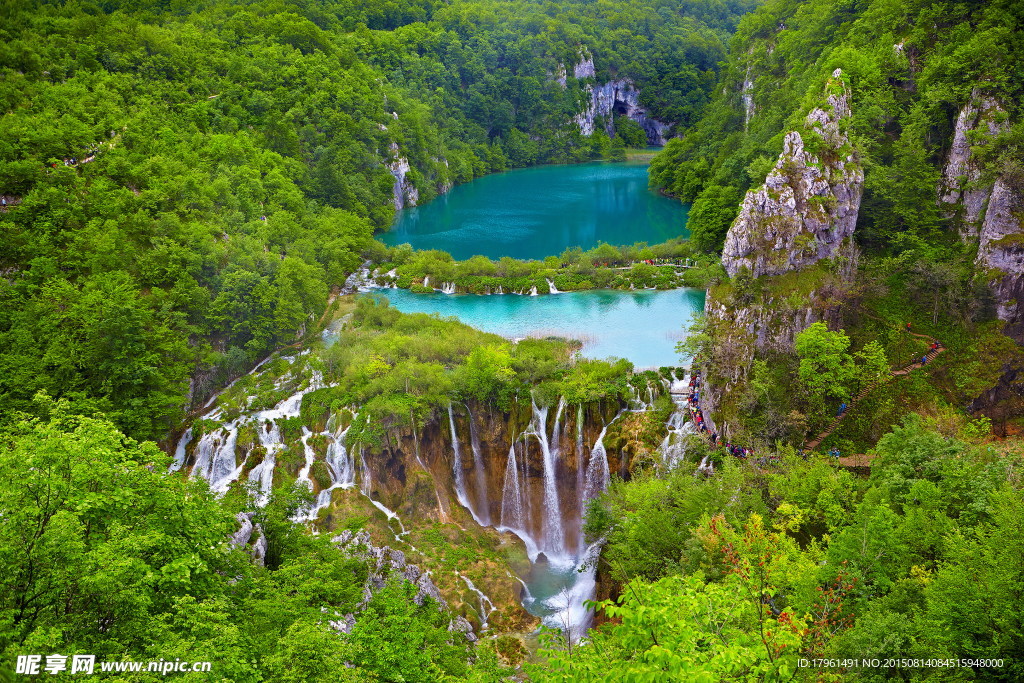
(240, 538)
(620, 97)
(961, 177)
(1001, 255)
(809, 202)
(461, 625)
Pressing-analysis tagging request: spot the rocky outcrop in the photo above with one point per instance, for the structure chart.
(809, 202)
(386, 563)
(989, 210)
(1001, 255)
(404, 192)
(618, 98)
(962, 189)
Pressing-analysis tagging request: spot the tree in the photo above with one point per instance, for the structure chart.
(826, 368)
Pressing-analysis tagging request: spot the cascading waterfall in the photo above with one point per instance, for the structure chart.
(551, 286)
(598, 474)
(552, 539)
(447, 288)
(673, 446)
(342, 469)
(263, 474)
(486, 605)
(459, 473)
(580, 481)
(479, 472)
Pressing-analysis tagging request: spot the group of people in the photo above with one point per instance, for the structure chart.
(702, 427)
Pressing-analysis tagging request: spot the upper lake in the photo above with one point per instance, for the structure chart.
(535, 212)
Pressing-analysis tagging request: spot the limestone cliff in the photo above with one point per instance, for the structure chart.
(404, 192)
(986, 209)
(619, 97)
(962, 189)
(1001, 255)
(809, 202)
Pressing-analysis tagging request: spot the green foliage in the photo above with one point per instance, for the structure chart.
(825, 366)
(910, 66)
(186, 184)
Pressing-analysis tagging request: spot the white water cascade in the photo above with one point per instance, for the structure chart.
(551, 286)
(479, 472)
(486, 605)
(598, 475)
(447, 288)
(673, 446)
(515, 510)
(458, 472)
(552, 540)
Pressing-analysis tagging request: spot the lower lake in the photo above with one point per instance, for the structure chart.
(641, 326)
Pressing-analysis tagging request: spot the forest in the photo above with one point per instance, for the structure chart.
(187, 188)
(183, 188)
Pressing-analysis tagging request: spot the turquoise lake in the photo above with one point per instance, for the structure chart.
(536, 212)
(641, 326)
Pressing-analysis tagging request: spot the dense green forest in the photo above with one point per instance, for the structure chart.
(185, 190)
(911, 65)
(184, 187)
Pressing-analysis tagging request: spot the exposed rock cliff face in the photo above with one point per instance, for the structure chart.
(961, 178)
(616, 98)
(404, 193)
(809, 202)
(988, 213)
(1001, 255)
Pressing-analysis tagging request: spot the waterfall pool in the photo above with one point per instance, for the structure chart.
(640, 326)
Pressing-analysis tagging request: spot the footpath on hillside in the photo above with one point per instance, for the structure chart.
(936, 349)
(692, 399)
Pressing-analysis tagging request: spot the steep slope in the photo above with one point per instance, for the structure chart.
(916, 219)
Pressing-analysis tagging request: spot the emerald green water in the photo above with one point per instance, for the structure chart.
(536, 212)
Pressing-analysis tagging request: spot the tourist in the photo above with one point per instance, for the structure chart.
(924, 359)
(842, 409)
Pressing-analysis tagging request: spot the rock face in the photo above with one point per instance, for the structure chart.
(384, 563)
(809, 202)
(1001, 255)
(987, 213)
(404, 193)
(619, 97)
(961, 178)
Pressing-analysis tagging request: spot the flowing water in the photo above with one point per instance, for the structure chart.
(536, 212)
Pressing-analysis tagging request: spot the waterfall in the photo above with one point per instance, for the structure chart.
(480, 474)
(533, 290)
(598, 475)
(215, 457)
(263, 473)
(447, 288)
(580, 482)
(552, 533)
(366, 485)
(486, 605)
(310, 456)
(426, 280)
(551, 286)
(673, 446)
(512, 516)
(460, 475)
(179, 451)
(342, 469)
